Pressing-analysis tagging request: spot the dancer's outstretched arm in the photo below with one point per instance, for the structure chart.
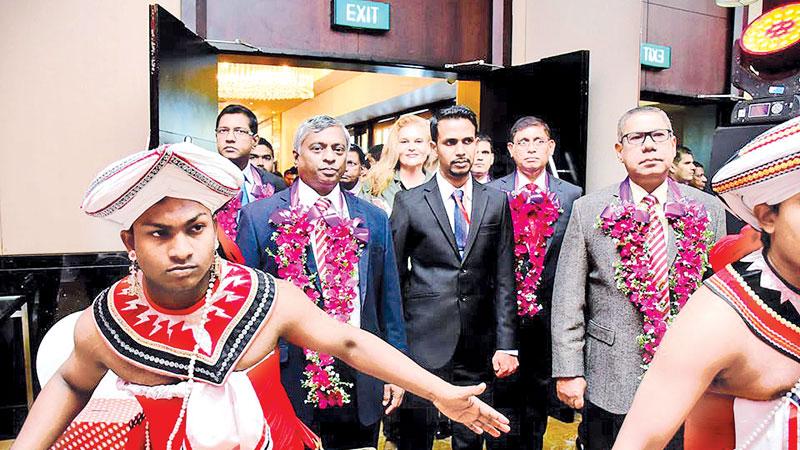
(700, 344)
(303, 324)
(67, 392)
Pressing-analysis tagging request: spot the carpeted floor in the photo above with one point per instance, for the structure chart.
(559, 436)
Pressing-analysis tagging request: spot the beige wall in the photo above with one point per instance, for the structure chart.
(610, 30)
(361, 91)
(76, 97)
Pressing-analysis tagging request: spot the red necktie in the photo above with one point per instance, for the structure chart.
(656, 242)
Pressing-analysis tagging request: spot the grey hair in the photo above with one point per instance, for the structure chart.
(640, 110)
(315, 125)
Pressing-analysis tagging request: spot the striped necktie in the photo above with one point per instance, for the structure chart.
(460, 221)
(322, 205)
(657, 244)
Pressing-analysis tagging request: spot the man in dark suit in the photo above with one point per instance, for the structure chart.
(237, 134)
(321, 145)
(453, 239)
(528, 396)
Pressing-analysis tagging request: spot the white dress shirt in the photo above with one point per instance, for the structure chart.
(356, 189)
(307, 197)
(523, 180)
(446, 190)
(250, 182)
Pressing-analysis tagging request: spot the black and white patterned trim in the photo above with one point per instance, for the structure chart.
(175, 364)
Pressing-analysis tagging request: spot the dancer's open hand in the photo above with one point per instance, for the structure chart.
(460, 403)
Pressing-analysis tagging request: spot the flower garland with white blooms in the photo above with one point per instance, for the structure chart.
(228, 215)
(346, 240)
(533, 214)
(627, 227)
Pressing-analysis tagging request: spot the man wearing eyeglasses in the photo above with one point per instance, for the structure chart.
(237, 135)
(528, 397)
(596, 323)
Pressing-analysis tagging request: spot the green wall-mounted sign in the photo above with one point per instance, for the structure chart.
(656, 56)
(361, 15)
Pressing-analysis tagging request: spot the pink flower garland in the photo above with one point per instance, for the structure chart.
(228, 214)
(627, 227)
(533, 215)
(345, 243)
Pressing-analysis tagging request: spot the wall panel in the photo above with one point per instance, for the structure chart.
(420, 30)
(610, 31)
(707, 7)
(699, 41)
(76, 90)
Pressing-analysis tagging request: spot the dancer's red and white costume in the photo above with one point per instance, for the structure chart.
(771, 309)
(246, 410)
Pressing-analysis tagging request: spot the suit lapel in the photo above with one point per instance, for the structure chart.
(286, 202)
(672, 246)
(434, 199)
(479, 200)
(355, 210)
(312, 266)
(554, 186)
(509, 181)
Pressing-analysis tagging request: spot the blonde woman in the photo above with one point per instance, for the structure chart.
(404, 163)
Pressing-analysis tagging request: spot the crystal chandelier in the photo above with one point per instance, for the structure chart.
(259, 82)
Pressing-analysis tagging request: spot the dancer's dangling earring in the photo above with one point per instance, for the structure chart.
(216, 266)
(133, 269)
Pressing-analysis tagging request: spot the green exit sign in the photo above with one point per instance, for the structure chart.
(657, 56)
(361, 15)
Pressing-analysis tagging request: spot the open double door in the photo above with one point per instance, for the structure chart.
(184, 103)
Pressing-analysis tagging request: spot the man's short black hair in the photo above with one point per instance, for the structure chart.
(362, 158)
(451, 112)
(483, 137)
(527, 122)
(679, 152)
(290, 171)
(699, 164)
(239, 109)
(376, 151)
(264, 142)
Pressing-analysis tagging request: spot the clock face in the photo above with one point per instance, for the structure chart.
(773, 32)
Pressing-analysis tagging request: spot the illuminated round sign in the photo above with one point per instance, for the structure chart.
(773, 32)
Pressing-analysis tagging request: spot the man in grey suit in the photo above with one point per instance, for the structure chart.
(454, 246)
(528, 396)
(597, 360)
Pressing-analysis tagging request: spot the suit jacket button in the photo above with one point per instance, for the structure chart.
(462, 298)
(463, 271)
